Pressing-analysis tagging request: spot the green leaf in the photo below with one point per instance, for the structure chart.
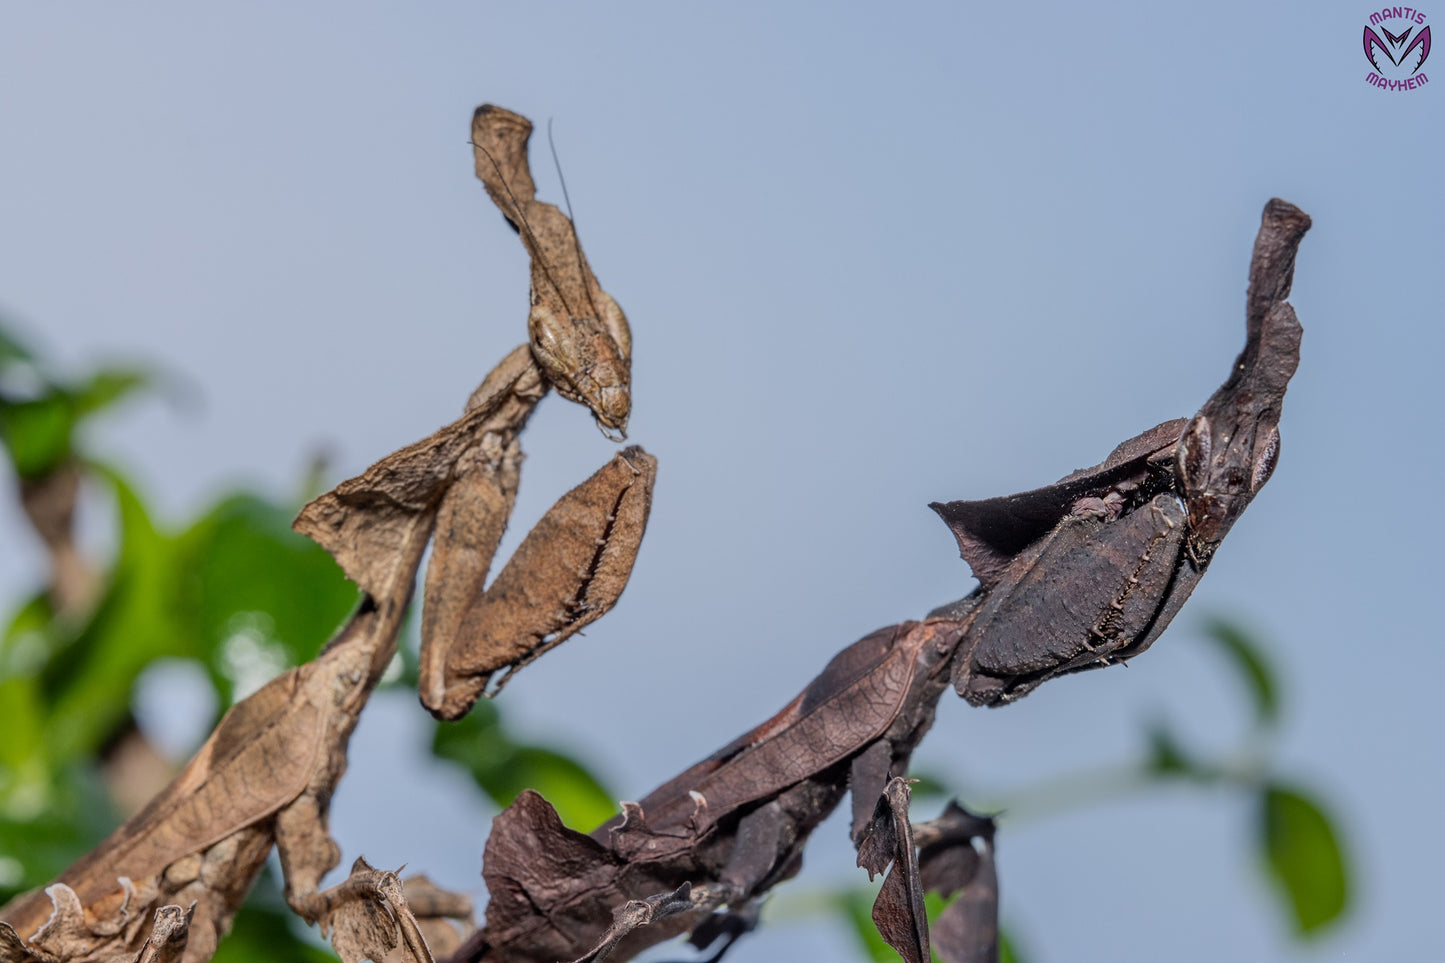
(254, 592)
(29, 638)
(1008, 949)
(11, 349)
(1167, 756)
(572, 790)
(37, 433)
(1303, 856)
(502, 768)
(107, 386)
(1247, 655)
(39, 429)
(22, 720)
(76, 815)
(88, 681)
(856, 907)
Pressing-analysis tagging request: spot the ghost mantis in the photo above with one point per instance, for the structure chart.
(165, 885)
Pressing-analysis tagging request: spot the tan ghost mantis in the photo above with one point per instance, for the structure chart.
(164, 886)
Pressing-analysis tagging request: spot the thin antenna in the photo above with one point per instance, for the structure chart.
(576, 237)
(538, 254)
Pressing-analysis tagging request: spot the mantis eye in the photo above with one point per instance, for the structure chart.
(1265, 459)
(549, 343)
(1194, 450)
(614, 322)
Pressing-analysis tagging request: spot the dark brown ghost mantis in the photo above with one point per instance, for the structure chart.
(1089, 570)
(463, 479)
(1080, 573)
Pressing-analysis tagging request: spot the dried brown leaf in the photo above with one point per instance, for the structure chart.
(428, 900)
(272, 762)
(74, 935)
(735, 824)
(636, 914)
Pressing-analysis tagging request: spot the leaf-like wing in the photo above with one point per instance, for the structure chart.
(259, 759)
(991, 531)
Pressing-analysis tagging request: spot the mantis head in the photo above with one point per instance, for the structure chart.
(587, 359)
(1229, 449)
(1223, 467)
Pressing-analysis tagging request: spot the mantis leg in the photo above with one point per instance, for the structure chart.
(568, 572)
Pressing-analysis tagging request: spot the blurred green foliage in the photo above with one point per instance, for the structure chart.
(1247, 657)
(503, 767)
(39, 413)
(1296, 838)
(1303, 856)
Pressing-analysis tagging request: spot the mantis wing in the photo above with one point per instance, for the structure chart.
(260, 757)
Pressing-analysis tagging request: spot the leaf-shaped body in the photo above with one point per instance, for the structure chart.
(1078, 596)
(992, 531)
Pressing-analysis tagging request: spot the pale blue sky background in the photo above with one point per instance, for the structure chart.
(874, 255)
